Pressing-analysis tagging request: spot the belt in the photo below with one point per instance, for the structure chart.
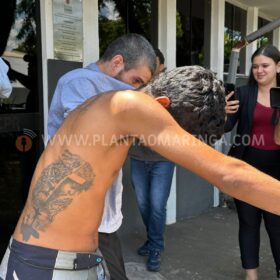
(61, 260)
(76, 261)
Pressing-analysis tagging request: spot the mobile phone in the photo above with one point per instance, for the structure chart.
(228, 89)
(275, 97)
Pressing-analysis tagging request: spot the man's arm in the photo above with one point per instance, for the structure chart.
(140, 116)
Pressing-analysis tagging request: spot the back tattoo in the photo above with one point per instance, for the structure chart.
(54, 191)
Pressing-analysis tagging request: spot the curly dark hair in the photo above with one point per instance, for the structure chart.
(197, 100)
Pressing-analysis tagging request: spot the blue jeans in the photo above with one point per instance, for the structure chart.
(152, 183)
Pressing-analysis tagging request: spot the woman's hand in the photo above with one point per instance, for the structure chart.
(231, 105)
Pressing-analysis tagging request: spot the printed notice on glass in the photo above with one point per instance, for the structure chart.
(68, 29)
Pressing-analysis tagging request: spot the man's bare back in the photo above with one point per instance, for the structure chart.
(67, 192)
(66, 199)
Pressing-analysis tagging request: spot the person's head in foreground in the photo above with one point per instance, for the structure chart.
(195, 98)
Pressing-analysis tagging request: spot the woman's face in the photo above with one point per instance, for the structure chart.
(264, 70)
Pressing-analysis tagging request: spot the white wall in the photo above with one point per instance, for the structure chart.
(167, 44)
(90, 41)
(217, 55)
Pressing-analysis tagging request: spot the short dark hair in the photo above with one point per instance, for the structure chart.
(268, 51)
(135, 50)
(197, 100)
(160, 55)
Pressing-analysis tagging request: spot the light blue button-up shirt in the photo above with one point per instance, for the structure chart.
(5, 84)
(72, 89)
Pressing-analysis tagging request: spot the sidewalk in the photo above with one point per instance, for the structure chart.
(200, 248)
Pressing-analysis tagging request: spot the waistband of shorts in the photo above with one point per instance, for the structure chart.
(46, 258)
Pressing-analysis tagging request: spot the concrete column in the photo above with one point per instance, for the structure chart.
(217, 37)
(167, 44)
(276, 38)
(252, 25)
(167, 31)
(90, 41)
(217, 56)
(47, 53)
(91, 31)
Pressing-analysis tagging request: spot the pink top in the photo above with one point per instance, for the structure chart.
(262, 135)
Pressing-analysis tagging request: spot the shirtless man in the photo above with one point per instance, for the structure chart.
(66, 198)
(128, 63)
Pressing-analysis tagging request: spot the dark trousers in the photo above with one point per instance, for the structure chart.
(250, 217)
(110, 247)
(29, 262)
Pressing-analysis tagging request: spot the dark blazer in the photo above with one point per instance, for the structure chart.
(247, 96)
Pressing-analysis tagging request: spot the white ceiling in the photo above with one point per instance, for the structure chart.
(268, 8)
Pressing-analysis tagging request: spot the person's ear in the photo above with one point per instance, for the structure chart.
(163, 100)
(117, 63)
(278, 67)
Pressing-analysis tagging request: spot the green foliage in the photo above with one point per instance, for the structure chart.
(262, 41)
(109, 30)
(231, 37)
(142, 12)
(227, 46)
(179, 27)
(27, 33)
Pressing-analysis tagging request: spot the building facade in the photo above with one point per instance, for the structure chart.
(188, 32)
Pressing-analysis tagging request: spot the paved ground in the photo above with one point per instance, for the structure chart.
(200, 248)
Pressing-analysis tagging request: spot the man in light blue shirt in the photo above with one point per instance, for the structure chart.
(128, 62)
(5, 84)
(74, 88)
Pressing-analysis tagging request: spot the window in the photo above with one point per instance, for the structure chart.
(190, 32)
(117, 17)
(235, 30)
(268, 37)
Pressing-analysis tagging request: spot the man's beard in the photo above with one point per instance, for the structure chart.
(119, 75)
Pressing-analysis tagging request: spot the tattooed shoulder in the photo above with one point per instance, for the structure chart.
(55, 190)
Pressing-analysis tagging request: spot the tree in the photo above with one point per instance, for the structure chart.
(111, 25)
(26, 9)
(123, 16)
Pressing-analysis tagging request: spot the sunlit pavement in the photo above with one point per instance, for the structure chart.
(199, 248)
